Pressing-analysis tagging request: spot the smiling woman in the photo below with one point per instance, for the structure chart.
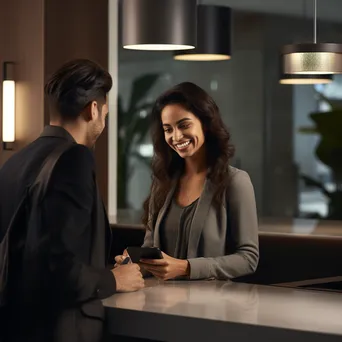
(183, 131)
(201, 212)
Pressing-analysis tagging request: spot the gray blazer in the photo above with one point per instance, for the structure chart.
(223, 242)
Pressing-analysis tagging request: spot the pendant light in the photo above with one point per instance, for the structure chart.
(315, 58)
(213, 35)
(305, 79)
(159, 24)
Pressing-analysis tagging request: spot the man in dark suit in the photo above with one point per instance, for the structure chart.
(59, 299)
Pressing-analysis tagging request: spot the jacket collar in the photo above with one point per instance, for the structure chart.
(58, 132)
(198, 221)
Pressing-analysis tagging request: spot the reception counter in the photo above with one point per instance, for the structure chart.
(224, 311)
(291, 250)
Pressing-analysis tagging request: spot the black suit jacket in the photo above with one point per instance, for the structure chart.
(57, 283)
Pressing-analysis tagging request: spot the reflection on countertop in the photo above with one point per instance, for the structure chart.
(218, 300)
(267, 225)
(266, 306)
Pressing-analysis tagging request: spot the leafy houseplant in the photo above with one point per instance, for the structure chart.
(133, 125)
(329, 151)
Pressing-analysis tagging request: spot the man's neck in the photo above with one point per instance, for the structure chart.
(74, 129)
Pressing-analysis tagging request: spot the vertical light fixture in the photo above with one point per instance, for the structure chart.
(159, 24)
(8, 106)
(213, 35)
(315, 58)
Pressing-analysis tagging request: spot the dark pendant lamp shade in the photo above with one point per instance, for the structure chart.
(213, 35)
(159, 24)
(305, 79)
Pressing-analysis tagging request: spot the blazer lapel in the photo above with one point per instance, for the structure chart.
(161, 214)
(199, 219)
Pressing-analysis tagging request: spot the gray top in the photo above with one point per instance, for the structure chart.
(175, 229)
(223, 240)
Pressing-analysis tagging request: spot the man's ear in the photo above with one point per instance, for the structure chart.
(90, 112)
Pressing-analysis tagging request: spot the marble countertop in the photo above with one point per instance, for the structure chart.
(170, 311)
(267, 226)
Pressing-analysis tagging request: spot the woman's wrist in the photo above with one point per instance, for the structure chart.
(185, 268)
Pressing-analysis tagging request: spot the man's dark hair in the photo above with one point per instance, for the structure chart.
(75, 85)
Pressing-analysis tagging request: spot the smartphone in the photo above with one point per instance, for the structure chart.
(126, 261)
(137, 253)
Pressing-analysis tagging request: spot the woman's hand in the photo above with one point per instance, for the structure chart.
(120, 258)
(166, 268)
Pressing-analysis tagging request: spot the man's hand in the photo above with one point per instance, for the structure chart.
(166, 268)
(120, 258)
(128, 278)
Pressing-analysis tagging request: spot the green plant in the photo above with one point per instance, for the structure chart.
(133, 125)
(329, 151)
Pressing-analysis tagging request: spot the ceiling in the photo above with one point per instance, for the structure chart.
(326, 9)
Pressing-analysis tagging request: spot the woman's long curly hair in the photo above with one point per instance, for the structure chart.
(166, 163)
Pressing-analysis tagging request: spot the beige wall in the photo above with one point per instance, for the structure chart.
(21, 41)
(79, 29)
(39, 36)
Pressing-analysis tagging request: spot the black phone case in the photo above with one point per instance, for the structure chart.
(137, 253)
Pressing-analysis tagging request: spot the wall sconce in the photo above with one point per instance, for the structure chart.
(8, 106)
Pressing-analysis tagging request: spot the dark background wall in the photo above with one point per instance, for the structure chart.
(39, 36)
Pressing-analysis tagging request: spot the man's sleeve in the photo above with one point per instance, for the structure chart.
(67, 214)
